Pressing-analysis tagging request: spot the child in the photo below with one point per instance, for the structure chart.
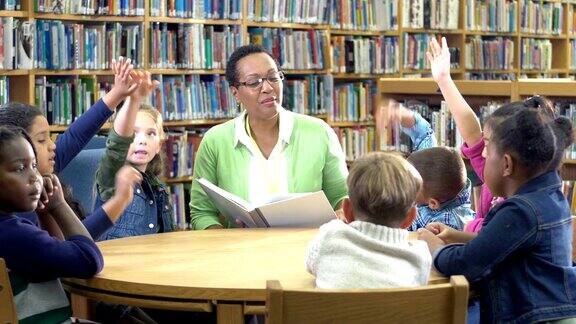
(445, 194)
(53, 158)
(35, 259)
(520, 262)
(373, 250)
(136, 139)
(474, 144)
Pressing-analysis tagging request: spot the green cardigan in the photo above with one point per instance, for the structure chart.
(314, 157)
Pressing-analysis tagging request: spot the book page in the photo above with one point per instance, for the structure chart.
(301, 210)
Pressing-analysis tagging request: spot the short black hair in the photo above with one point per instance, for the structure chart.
(18, 114)
(238, 54)
(443, 172)
(9, 133)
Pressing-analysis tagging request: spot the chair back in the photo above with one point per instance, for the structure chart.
(439, 303)
(80, 176)
(7, 308)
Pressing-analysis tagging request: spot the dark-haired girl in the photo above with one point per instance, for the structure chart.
(53, 157)
(520, 262)
(34, 258)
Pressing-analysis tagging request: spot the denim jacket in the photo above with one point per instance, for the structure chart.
(521, 261)
(150, 210)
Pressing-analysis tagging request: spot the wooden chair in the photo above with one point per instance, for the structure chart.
(7, 308)
(439, 303)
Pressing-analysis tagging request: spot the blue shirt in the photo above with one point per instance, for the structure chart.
(455, 212)
(68, 145)
(521, 261)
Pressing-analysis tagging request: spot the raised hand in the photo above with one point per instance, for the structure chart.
(145, 85)
(439, 58)
(124, 85)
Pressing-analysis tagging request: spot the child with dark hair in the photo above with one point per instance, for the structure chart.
(523, 253)
(34, 258)
(371, 249)
(445, 194)
(53, 157)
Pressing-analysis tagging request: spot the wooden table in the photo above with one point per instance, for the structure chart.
(199, 270)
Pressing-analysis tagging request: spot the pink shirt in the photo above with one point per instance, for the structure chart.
(474, 153)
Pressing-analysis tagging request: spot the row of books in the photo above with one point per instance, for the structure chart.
(184, 97)
(4, 89)
(491, 15)
(536, 54)
(310, 95)
(63, 99)
(430, 14)
(179, 150)
(353, 54)
(567, 108)
(192, 46)
(541, 17)
(198, 9)
(356, 141)
(440, 121)
(180, 198)
(489, 76)
(293, 49)
(15, 44)
(91, 7)
(353, 102)
(493, 53)
(415, 48)
(289, 11)
(373, 15)
(10, 4)
(67, 45)
(573, 54)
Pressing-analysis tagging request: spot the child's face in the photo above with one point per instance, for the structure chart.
(494, 166)
(146, 141)
(45, 148)
(20, 180)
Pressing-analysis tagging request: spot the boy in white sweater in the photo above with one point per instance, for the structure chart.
(371, 248)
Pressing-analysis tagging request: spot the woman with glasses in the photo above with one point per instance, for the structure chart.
(267, 150)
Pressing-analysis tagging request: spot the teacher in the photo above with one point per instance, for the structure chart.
(267, 150)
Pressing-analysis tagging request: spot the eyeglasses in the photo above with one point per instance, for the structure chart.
(257, 83)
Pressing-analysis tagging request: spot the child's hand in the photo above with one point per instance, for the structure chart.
(47, 192)
(145, 86)
(126, 178)
(54, 193)
(391, 114)
(439, 58)
(124, 85)
(443, 232)
(434, 243)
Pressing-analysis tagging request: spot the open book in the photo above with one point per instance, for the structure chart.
(293, 210)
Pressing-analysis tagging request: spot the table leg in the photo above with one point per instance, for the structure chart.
(80, 306)
(230, 313)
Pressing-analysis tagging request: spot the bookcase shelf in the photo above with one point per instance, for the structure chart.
(295, 71)
(71, 72)
(350, 123)
(184, 71)
(490, 33)
(97, 18)
(186, 179)
(353, 32)
(285, 25)
(15, 13)
(172, 20)
(14, 72)
(529, 35)
(194, 122)
(434, 31)
(354, 76)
